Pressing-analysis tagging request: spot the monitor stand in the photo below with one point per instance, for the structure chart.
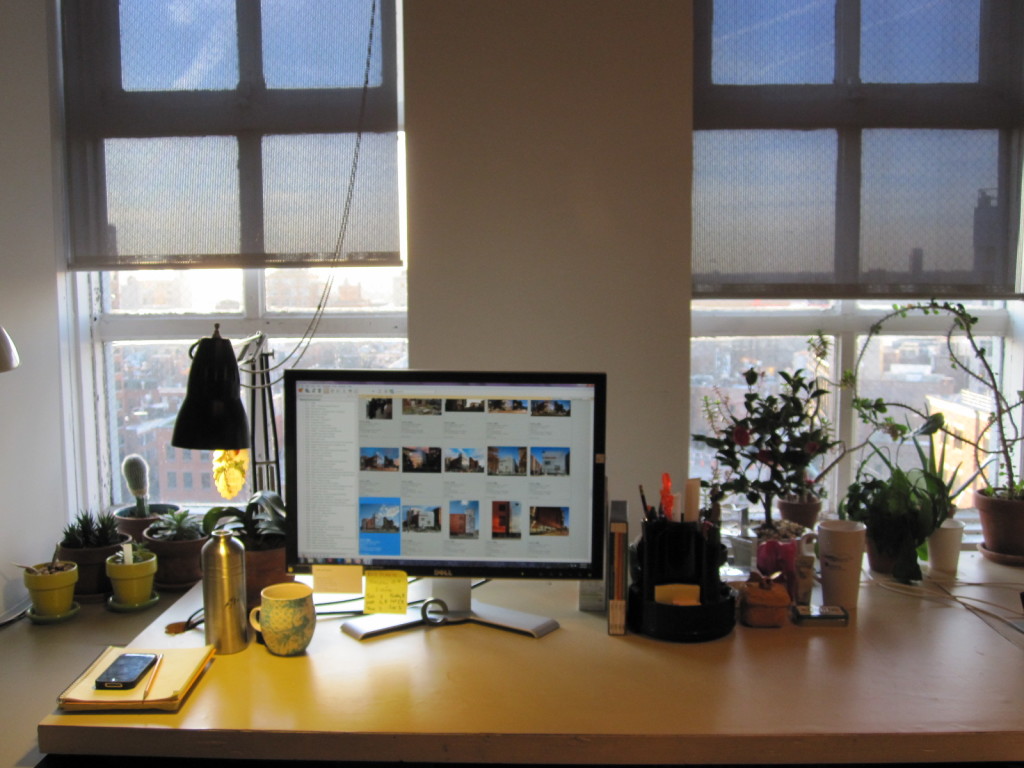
(447, 601)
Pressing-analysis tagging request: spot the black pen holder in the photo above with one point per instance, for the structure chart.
(683, 556)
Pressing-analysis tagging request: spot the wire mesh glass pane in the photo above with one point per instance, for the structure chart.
(764, 206)
(928, 206)
(176, 195)
(319, 43)
(920, 41)
(305, 184)
(170, 45)
(173, 291)
(779, 42)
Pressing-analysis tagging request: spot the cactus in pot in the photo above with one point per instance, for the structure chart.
(133, 520)
(136, 476)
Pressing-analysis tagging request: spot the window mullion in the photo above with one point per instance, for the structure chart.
(847, 221)
(847, 42)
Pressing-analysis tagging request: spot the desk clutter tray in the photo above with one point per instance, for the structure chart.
(677, 593)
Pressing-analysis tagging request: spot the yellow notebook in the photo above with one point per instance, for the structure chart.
(164, 687)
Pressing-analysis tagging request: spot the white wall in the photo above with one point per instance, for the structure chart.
(549, 151)
(33, 506)
(549, 186)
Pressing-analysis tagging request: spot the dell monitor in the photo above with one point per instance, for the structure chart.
(452, 475)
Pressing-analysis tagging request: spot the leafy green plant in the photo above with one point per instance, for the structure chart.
(767, 449)
(261, 525)
(88, 530)
(902, 510)
(178, 525)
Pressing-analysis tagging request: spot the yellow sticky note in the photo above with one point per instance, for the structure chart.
(386, 592)
(338, 578)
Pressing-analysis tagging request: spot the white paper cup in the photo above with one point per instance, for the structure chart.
(944, 548)
(841, 552)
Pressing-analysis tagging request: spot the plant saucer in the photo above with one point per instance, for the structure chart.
(117, 607)
(38, 618)
(999, 557)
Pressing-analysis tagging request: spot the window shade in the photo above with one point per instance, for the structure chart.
(228, 134)
(836, 155)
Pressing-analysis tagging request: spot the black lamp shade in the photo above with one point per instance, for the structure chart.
(212, 416)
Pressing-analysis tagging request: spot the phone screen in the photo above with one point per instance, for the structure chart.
(126, 671)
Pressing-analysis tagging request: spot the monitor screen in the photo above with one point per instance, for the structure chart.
(441, 473)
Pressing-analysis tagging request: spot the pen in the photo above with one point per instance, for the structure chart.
(643, 503)
(152, 677)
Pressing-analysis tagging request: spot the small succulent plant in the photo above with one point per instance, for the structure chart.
(89, 530)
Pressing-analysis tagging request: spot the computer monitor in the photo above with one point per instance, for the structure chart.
(450, 474)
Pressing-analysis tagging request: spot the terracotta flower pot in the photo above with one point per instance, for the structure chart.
(263, 567)
(134, 526)
(803, 513)
(93, 584)
(179, 563)
(1002, 527)
(879, 562)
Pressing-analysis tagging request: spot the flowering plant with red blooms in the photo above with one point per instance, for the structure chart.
(774, 447)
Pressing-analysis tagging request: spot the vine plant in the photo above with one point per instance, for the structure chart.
(1003, 422)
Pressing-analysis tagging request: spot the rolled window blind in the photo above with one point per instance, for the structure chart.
(231, 134)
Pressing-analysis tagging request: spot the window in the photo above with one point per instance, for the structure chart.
(848, 155)
(230, 162)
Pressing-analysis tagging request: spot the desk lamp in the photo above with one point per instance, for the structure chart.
(212, 416)
(9, 359)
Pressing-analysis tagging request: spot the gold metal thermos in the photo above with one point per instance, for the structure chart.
(225, 615)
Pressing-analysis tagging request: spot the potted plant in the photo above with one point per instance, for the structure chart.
(773, 447)
(88, 540)
(51, 587)
(261, 529)
(177, 538)
(135, 519)
(1000, 503)
(131, 571)
(900, 511)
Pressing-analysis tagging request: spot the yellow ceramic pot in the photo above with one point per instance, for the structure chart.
(52, 593)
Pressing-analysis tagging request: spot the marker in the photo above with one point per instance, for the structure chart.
(667, 500)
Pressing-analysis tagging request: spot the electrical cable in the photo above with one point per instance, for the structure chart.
(941, 594)
(302, 345)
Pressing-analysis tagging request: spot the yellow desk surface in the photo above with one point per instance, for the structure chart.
(911, 680)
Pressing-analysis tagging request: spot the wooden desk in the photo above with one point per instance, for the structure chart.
(911, 681)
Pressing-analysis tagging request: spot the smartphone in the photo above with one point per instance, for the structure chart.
(125, 671)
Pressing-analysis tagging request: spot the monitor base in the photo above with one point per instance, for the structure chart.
(449, 602)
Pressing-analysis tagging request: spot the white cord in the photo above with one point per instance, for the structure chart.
(943, 595)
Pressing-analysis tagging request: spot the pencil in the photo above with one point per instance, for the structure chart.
(152, 677)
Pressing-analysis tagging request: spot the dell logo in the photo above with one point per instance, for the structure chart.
(442, 572)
